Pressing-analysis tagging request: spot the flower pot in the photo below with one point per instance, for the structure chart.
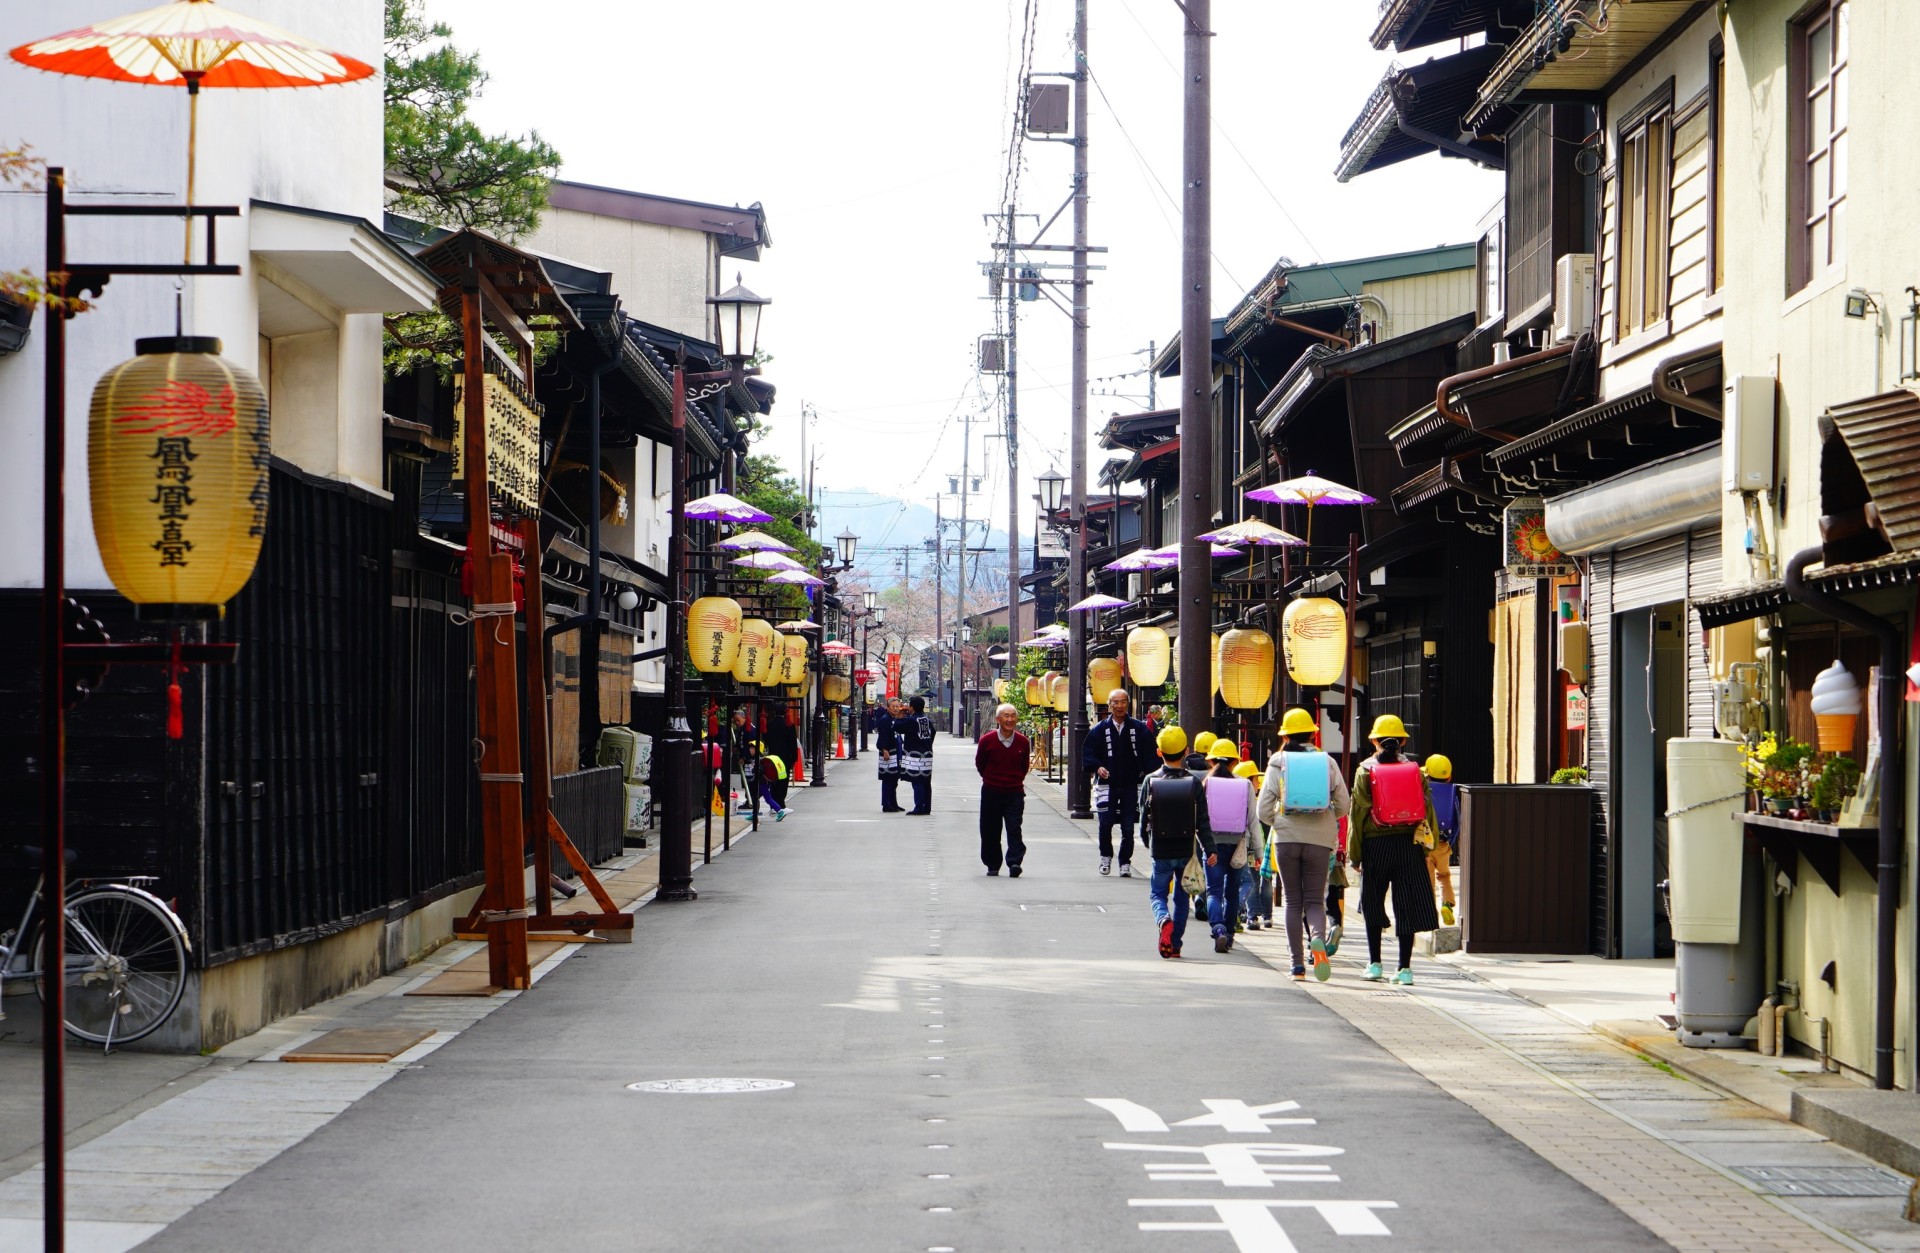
(1777, 805)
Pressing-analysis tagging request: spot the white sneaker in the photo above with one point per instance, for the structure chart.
(1126, 871)
(1106, 865)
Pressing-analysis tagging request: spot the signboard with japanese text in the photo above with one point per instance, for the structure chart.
(513, 444)
(1526, 549)
(893, 674)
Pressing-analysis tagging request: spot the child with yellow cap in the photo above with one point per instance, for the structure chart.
(1392, 829)
(1446, 814)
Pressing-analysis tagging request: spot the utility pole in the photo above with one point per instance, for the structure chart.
(960, 569)
(1079, 786)
(1153, 394)
(939, 594)
(1196, 374)
(1012, 289)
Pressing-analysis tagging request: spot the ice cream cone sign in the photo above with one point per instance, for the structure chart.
(1836, 708)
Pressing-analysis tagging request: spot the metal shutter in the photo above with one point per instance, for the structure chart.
(1650, 574)
(1599, 748)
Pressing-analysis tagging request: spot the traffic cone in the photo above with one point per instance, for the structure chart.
(800, 768)
(840, 747)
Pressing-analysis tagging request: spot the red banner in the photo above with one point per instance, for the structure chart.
(893, 674)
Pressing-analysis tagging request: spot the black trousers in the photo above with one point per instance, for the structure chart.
(997, 809)
(889, 792)
(1122, 807)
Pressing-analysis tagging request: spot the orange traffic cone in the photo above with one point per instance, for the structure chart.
(800, 768)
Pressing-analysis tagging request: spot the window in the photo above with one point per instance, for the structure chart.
(1716, 166)
(1644, 190)
(1817, 72)
(1492, 266)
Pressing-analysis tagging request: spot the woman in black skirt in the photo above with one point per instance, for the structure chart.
(1388, 854)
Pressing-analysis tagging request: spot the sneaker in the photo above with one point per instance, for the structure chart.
(1013, 872)
(1239, 925)
(1404, 978)
(1106, 866)
(1300, 973)
(1333, 940)
(1374, 974)
(994, 871)
(1126, 870)
(1322, 968)
(1223, 942)
(1446, 913)
(1166, 940)
(779, 815)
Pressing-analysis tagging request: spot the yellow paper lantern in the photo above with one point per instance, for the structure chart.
(771, 678)
(797, 690)
(1103, 678)
(755, 654)
(1149, 653)
(177, 455)
(1245, 660)
(1036, 691)
(837, 688)
(793, 661)
(1000, 689)
(713, 634)
(1313, 632)
(1062, 694)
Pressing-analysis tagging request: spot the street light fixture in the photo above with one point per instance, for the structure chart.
(1052, 486)
(736, 320)
(847, 541)
(867, 600)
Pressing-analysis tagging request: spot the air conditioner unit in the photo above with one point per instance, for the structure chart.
(1572, 296)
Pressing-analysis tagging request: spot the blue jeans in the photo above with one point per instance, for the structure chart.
(1223, 890)
(1166, 880)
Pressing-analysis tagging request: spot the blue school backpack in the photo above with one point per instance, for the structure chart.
(1306, 784)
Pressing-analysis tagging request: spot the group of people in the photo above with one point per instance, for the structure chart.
(1209, 833)
(905, 739)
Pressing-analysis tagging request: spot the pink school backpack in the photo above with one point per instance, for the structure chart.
(1398, 799)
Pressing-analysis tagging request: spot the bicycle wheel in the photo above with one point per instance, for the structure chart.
(125, 965)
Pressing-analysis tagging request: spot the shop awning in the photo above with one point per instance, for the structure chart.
(1664, 497)
(1516, 402)
(1577, 48)
(1408, 24)
(1322, 364)
(1870, 477)
(1417, 110)
(333, 258)
(1455, 486)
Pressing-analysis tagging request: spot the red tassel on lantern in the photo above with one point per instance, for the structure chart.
(176, 717)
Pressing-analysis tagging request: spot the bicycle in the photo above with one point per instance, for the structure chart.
(125, 965)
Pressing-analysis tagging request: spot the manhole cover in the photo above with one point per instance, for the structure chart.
(1059, 907)
(709, 1086)
(1826, 1180)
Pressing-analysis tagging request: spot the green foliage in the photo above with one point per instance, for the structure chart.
(23, 288)
(441, 167)
(1836, 781)
(430, 337)
(767, 487)
(1027, 662)
(1569, 774)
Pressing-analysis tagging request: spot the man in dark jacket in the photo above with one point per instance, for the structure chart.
(1002, 756)
(1173, 821)
(1119, 751)
(914, 733)
(889, 757)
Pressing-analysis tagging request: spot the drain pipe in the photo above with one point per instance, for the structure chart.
(1491, 371)
(1887, 707)
(1666, 393)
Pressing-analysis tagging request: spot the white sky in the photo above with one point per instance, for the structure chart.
(875, 132)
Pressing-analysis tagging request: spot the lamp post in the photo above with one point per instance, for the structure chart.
(960, 668)
(846, 542)
(872, 616)
(1079, 787)
(737, 325)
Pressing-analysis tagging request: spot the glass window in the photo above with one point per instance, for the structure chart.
(1645, 183)
(1819, 133)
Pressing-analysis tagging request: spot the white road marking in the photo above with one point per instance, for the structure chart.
(1255, 1227)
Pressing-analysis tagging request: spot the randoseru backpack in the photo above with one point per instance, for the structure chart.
(1398, 799)
(1174, 802)
(1307, 791)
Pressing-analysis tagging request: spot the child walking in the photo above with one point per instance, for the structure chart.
(1392, 828)
(1446, 814)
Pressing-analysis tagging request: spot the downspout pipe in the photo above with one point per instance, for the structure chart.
(1887, 693)
(1491, 371)
(1666, 393)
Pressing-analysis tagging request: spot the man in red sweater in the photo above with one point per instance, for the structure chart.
(1002, 757)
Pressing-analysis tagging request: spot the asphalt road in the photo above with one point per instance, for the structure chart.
(946, 1036)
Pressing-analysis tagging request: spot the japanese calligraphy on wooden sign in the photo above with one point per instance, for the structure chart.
(513, 443)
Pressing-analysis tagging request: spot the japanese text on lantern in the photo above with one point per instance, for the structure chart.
(173, 473)
(513, 443)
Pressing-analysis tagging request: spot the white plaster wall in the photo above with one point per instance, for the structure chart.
(311, 147)
(663, 274)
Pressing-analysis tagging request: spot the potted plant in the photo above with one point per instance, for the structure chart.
(1836, 781)
(1569, 774)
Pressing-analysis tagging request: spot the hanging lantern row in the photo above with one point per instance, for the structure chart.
(754, 656)
(836, 688)
(177, 456)
(774, 652)
(713, 634)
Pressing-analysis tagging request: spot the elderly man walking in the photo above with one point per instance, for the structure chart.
(1002, 757)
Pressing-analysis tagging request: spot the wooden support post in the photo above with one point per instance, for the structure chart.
(540, 768)
(497, 704)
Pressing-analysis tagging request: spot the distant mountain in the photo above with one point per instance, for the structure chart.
(887, 524)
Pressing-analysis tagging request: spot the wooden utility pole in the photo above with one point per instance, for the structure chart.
(1012, 289)
(1196, 376)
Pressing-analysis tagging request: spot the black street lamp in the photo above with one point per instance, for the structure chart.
(846, 542)
(1052, 487)
(868, 617)
(737, 333)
